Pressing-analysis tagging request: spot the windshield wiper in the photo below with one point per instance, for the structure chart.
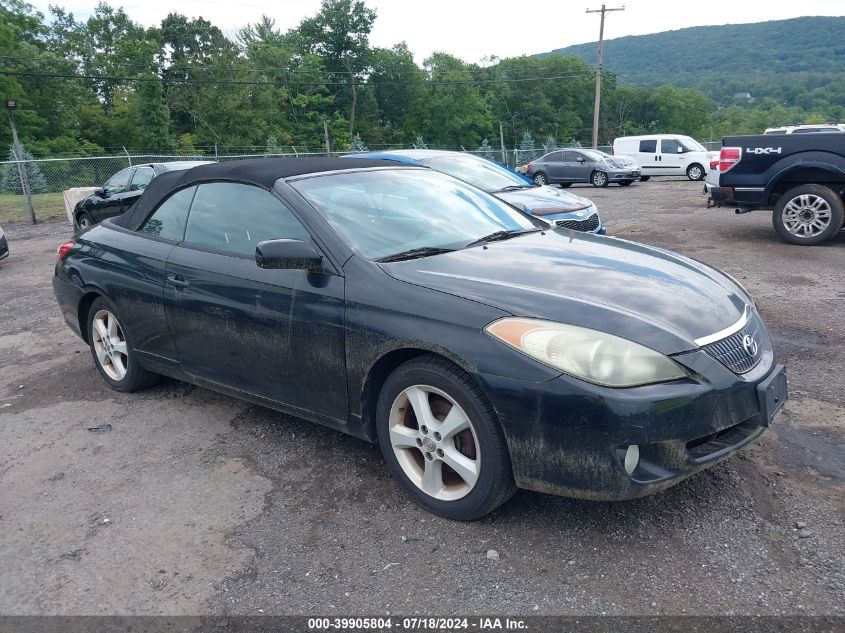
(423, 251)
(516, 187)
(500, 235)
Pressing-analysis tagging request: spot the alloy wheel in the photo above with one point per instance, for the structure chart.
(434, 442)
(110, 345)
(599, 178)
(540, 179)
(806, 215)
(695, 173)
(84, 222)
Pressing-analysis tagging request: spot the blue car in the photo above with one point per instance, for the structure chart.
(552, 205)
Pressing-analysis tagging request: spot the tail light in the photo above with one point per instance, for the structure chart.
(728, 157)
(714, 165)
(528, 167)
(64, 249)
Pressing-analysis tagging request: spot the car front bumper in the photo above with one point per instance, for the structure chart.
(569, 438)
(615, 175)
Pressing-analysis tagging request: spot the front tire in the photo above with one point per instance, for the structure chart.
(84, 221)
(112, 350)
(540, 178)
(695, 172)
(808, 215)
(442, 441)
(599, 179)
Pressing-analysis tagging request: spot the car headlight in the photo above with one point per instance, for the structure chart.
(590, 355)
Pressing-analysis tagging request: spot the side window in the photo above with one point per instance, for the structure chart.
(648, 147)
(142, 177)
(119, 182)
(234, 217)
(669, 146)
(554, 157)
(168, 221)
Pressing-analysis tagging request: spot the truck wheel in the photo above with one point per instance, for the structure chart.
(695, 172)
(808, 214)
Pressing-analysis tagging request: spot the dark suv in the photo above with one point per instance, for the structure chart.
(121, 190)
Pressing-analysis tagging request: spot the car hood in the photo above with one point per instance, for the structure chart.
(654, 297)
(544, 200)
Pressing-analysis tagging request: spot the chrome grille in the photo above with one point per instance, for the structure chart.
(587, 225)
(731, 351)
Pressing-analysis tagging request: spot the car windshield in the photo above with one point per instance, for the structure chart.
(477, 171)
(384, 212)
(691, 144)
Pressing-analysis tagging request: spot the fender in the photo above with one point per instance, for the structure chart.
(823, 161)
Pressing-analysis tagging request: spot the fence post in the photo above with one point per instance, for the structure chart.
(18, 152)
(128, 157)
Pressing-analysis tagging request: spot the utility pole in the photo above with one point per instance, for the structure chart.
(597, 106)
(10, 108)
(326, 134)
(502, 143)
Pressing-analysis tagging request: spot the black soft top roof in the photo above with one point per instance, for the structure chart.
(263, 172)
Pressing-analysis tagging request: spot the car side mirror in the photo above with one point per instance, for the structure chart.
(288, 254)
(680, 150)
(101, 192)
(580, 159)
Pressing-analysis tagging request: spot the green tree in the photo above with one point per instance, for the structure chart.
(339, 35)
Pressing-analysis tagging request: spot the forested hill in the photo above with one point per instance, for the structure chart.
(759, 58)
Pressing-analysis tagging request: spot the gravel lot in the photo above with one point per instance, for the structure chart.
(196, 503)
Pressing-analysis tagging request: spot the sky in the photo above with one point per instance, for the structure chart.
(475, 29)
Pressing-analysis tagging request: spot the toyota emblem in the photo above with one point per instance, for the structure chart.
(749, 345)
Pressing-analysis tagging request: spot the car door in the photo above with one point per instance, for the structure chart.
(276, 334)
(580, 166)
(555, 166)
(648, 157)
(116, 196)
(672, 159)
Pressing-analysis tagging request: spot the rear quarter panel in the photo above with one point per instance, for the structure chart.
(128, 270)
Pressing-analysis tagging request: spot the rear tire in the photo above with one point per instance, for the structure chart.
(598, 179)
(111, 347)
(808, 215)
(695, 172)
(430, 416)
(540, 178)
(645, 178)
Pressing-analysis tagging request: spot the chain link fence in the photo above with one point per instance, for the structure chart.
(48, 178)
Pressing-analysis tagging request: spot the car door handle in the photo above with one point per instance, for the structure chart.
(176, 280)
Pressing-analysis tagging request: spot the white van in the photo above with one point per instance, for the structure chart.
(666, 155)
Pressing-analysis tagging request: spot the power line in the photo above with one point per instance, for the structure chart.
(252, 82)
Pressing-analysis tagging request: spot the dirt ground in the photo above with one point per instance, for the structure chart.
(196, 503)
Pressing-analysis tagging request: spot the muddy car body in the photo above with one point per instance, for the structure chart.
(477, 358)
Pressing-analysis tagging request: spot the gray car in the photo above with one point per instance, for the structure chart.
(567, 166)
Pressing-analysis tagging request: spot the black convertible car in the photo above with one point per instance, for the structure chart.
(406, 307)
(121, 191)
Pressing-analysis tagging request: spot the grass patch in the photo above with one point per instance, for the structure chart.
(47, 206)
